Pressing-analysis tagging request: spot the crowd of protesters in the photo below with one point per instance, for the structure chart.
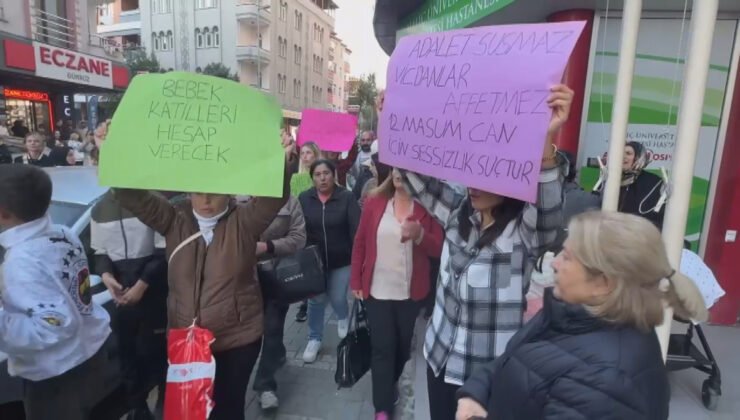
(387, 236)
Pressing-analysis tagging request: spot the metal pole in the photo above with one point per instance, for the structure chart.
(703, 19)
(621, 107)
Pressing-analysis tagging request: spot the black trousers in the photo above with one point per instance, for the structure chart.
(273, 349)
(442, 399)
(142, 347)
(433, 276)
(391, 330)
(69, 396)
(233, 369)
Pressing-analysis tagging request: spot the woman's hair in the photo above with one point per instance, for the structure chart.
(318, 162)
(628, 250)
(58, 155)
(510, 209)
(34, 134)
(384, 188)
(316, 153)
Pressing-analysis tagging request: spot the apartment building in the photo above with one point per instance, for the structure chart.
(52, 62)
(279, 46)
(339, 70)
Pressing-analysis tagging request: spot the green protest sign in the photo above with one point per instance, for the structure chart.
(187, 132)
(300, 182)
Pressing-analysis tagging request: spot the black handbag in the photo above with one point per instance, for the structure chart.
(293, 278)
(354, 353)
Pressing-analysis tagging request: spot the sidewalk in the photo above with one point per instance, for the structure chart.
(308, 392)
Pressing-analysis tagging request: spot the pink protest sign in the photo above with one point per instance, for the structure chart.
(470, 105)
(332, 131)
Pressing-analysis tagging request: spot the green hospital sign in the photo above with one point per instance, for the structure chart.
(443, 15)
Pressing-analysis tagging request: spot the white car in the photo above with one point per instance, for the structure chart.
(75, 192)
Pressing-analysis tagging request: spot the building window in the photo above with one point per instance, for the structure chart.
(165, 6)
(283, 10)
(296, 91)
(298, 56)
(155, 41)
(198, 38)
(281, 83)
(170, 40)
(216, 37)
(321, 35)
(205, 4)
(300, 21)
(282, 50)
(208, 37)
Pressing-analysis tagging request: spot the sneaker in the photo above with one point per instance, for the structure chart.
(302, 314)
(342, 328)
(312, 351)
(382, 416)
(269, 401)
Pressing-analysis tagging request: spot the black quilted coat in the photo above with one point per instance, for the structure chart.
(567, 364)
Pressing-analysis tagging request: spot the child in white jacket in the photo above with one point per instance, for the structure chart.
(50, 328)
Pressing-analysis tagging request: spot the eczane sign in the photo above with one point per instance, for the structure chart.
(71, 66)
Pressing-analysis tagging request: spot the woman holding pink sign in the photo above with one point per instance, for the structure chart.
(491, 245)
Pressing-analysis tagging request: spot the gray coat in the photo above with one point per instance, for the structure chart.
(288, 231)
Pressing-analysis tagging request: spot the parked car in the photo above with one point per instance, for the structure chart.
(75, 192)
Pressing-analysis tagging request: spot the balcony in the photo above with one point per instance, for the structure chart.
(52, 29)
(252, 53)
(253, 11)
(129, 24)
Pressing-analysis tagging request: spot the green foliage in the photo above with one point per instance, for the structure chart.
(367, 91)
(138, 61)
(219, 70)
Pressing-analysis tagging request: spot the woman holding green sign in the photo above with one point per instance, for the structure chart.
(211, 243)
(491, 244)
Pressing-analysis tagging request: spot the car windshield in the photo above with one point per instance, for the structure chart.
(66, 213)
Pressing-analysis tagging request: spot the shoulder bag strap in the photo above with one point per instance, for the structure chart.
(184, 243)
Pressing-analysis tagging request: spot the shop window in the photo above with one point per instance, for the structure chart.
(198, 38)
(216, 37)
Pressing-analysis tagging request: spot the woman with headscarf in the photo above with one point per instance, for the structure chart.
(641, 191)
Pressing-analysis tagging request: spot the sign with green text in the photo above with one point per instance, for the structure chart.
(443, 15)
(188, 132)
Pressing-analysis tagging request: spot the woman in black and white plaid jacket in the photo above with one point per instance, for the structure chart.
(491, 245)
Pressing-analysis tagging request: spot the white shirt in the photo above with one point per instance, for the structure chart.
(48, 321)
(392, 272)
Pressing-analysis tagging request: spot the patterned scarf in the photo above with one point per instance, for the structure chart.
(641, 161)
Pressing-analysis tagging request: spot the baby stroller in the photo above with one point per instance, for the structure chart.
(683, 353)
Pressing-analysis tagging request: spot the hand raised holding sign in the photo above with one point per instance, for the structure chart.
(560, 100)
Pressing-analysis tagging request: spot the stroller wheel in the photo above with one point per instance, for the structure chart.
(709, 395)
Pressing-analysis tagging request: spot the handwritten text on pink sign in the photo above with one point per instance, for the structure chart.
(470, 106)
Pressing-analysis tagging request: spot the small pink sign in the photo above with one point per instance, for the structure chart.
(332, 131)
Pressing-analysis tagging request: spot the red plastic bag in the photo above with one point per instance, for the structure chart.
(190, 376)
